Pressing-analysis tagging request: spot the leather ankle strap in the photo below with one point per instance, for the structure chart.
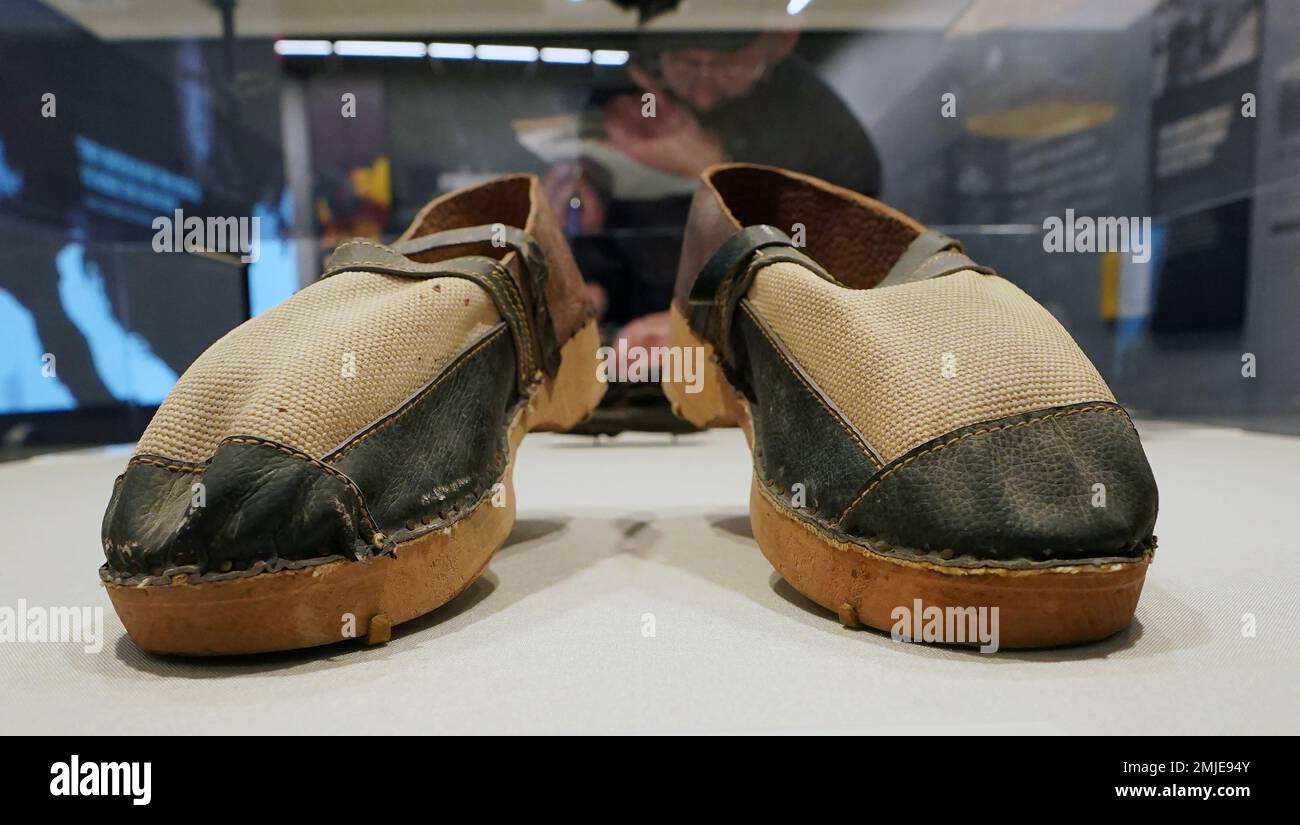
(932, 255)
(531, 260)
(727, 275)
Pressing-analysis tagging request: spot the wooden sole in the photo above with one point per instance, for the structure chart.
(716, 404)
(348, 599)
(1035, 608)
(1040, 607)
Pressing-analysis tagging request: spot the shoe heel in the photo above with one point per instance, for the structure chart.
(716, 404)
(572, 395)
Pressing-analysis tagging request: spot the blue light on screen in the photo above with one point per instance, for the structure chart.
(273, 277)
(123, 359)
(25, 383)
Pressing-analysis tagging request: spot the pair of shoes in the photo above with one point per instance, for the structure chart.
(923, 433)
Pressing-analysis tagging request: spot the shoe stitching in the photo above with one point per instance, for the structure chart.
(1112, 408)
(857, 439)
(910, 556)
(515, 300)
(362, 242)
(256, 441)
(504, 284)
(287, 565)
(514, 310)
(948, 253)
(167, 464)
(947, 258)
(350, 265)
(461, 360)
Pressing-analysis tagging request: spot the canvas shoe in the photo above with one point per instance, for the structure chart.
(342, 463)
(925, 437)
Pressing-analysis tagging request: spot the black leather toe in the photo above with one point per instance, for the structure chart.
(254, 501)
(1068, 483)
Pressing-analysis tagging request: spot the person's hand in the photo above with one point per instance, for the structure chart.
(672, 141)
(565, 181)
(646, 333)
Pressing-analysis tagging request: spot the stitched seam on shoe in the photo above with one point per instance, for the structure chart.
(947, 253)
(256, 441)
(887, 473)
(936, 262)
(362, 242)
(398, 261)
(511, 293)
(460, 361)
(505, 284)
(857, 439)
(166, 463)
(350, 265)
(515, 312)
(510, 288)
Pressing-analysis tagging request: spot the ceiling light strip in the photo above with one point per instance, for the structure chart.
(450, 51)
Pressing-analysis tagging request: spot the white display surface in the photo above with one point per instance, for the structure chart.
(552, 639)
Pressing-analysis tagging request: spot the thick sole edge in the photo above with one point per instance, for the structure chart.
(716, 404)
(341, 600)
(1041, 607)
(1045, 607)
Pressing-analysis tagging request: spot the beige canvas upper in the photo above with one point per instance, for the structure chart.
(909, 363)
(322, 365)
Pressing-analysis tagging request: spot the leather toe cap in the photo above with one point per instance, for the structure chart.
(1070, 483)
(252, 502)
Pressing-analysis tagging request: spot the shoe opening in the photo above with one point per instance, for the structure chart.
(507, 200)
(855, 238)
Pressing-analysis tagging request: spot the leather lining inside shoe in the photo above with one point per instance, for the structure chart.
(857, 239)
(507, 201)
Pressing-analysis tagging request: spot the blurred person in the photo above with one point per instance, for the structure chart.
(716, 97)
